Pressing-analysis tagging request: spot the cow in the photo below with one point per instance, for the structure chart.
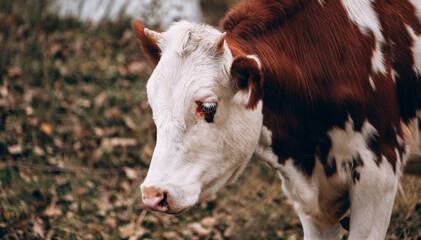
(326, 92)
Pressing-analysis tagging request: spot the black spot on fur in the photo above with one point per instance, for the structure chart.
(355, 176)
(330, 167)
(373, 144)
(408, 88)
(356, 160)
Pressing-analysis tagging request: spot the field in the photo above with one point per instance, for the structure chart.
(76, 138)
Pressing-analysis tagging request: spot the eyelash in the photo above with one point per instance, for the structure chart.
(206, 110)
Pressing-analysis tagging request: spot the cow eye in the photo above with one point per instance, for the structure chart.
(206, 110)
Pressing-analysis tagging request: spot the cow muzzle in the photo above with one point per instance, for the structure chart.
(156, 200)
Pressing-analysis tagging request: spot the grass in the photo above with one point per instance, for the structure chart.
(76, 137)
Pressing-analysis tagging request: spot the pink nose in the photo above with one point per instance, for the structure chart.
(154, 199)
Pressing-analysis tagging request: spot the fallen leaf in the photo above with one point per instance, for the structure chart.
(100, 99)
(25, 177)
(114, 113)
(131, 173)
(111, 222)
(136, 68)
(46, 128)
(148, 151)
(15, 149)
(228, 232)
(53, 211)
(39, 151)
(81, 190)
(50, 234)
(123, 142)
(169, 235)
(85, 103)
(199, 229)
(130, 123)
(209, 222)
(4, 91)
(29, 111)
(131, 230)
(125, 186)
(38, 228)
(14, 71)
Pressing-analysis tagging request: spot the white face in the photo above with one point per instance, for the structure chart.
(205, 135)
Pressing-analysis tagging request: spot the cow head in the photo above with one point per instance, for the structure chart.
(206, 104)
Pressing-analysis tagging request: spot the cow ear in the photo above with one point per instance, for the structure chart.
(247, 76)
(148, 41)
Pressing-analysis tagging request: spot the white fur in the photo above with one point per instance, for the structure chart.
(362, 13)
(255, 58)
(394, 75)
(370, 213)
(416, 49)
(372, 84)
(192, 159)
(372, 199)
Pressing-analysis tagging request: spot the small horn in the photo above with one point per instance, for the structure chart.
(154, 36)
(219, 45)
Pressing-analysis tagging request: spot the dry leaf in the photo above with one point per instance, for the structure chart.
(130, 123)
(169, 235)
(4, 91)
(50, 234)
(148, 151)
(230, 229)
(39, 151)
(81, 190)
(100, 99)
(37, 228)
(111, 222)
(199, 229)
(25, 177)
(83, 103)
(53, 211)
(131, 173)
(131, 230)
(136, 68)
(15, 149)
(114, 113)
(46, 128)
(123, 142)
(209, 222)
(14, 71)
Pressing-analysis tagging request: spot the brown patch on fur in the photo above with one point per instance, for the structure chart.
(149, 47)
(247, 76)
(316, 65)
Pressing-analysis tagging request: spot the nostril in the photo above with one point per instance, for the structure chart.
(163, 202)
(155, 199)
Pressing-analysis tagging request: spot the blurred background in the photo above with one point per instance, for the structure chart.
(76, 133)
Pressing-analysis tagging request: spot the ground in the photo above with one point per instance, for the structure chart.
(76, 138)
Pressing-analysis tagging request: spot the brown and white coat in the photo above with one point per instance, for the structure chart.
(326, 92)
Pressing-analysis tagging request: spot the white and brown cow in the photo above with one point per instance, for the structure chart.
(326, 92)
